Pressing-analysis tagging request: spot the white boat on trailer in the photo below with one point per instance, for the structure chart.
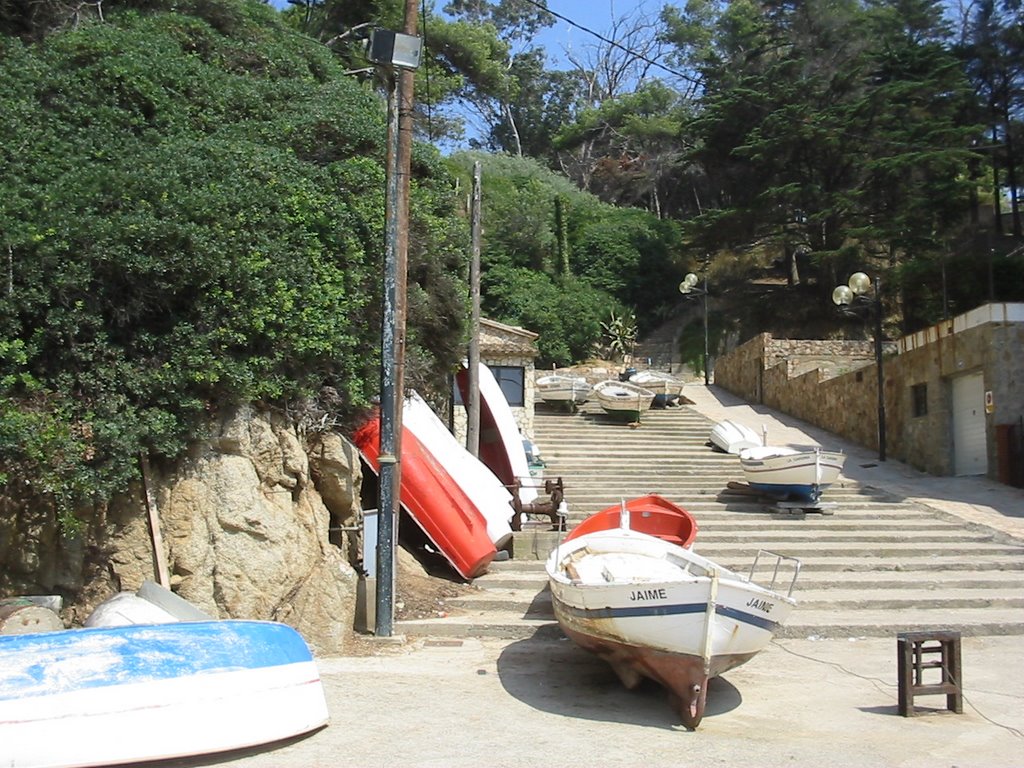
(785, 473)
(653, 609)
(623, 400)
(559, 389)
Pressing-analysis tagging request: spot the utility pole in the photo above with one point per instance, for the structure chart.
(473, 374)
(399, 55)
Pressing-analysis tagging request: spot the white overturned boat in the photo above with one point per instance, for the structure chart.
(559, 389)
(651, 608)
(127, 694)
(791, 473)
(623, 400)
(481, 485)
(732, 437)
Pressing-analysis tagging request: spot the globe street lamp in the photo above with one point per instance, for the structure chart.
(854, 299)
(689, 289)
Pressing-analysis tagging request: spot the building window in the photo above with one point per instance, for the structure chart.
(511, 379)
(919, 398)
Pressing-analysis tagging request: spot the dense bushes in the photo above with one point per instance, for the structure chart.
(190, 220)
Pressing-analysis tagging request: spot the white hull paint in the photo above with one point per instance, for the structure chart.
(733, 437)
(659, 383)
(655, 609)
(94, 697)
(622, 399)
(790, 473)
(556, 388)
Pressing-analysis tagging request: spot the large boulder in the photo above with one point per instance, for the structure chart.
(247, 533)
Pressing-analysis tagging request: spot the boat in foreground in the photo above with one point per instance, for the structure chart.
(622, 400)
(790, 473)
(114, 695)
(653, 609)
(732, 437)
(561, 390)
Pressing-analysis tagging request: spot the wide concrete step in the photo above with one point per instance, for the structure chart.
(809, 623)
(537, 604)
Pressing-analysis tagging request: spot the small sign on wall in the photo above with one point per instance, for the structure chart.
(989, 402)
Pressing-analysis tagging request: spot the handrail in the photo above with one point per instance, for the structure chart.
(775, 573)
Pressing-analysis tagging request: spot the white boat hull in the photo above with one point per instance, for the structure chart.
(663, 384)
(786, 473)
(733, 437)
(94, 697)
(558, 389)
(622, 400)
(653, 609)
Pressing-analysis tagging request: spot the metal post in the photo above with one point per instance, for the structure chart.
(706, 359)
(472, 403)
(878, 364)
(387, 511)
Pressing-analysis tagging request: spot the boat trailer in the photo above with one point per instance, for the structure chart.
(782, 505)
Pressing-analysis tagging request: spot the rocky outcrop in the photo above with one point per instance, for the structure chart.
(245, 532)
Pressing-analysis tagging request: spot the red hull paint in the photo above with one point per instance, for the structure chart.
(651, 514)
(436, 502)
(493, 451)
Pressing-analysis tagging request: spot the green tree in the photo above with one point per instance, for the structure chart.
(194, 218)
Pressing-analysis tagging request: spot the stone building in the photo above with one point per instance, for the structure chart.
(509, 352)
(953, 393)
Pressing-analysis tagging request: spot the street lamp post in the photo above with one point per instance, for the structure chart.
(851, 299)
(689, 288)
(397, 54)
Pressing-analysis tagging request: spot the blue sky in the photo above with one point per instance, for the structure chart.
(596, 15)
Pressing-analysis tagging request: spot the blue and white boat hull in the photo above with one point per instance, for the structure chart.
(788, 473)
(107, 696)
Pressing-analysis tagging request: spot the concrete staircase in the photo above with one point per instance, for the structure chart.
(875, 566)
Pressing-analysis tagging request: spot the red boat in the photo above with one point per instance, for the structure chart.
(435, 501)
(651, 514)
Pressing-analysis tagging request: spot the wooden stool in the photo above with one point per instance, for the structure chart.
(912, 648)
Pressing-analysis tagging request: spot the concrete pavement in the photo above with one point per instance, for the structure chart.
(476, 702)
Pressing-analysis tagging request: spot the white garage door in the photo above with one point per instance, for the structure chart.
(969, 444)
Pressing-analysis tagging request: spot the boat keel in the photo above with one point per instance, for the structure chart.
(683, 675)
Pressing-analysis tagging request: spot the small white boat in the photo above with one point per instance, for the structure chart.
(127, 694)
(666, 387)
(790, 473)
(623, 400)
(558, 389)
(732, 437)
(651, 608)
